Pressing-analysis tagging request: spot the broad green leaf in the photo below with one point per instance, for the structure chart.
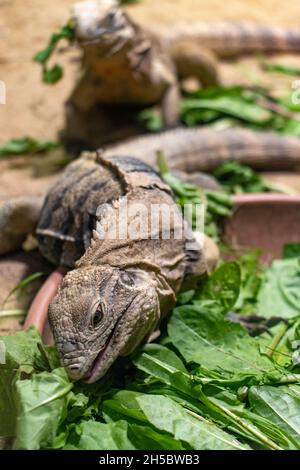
(123, 405)
(230, 106)
(41, 403)
(203, 336)
(186, 426)
(147, 438)
(21, 347)
(269, 428)
(21, 353)
(104, 436)
(279, 407)
(158, 361)
(280, 291)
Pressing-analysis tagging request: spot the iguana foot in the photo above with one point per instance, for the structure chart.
(18, 218)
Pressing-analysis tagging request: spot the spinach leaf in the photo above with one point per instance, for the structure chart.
(202, 335)
(278, 407)
(280, 291)
(41, 403)
(101, 436)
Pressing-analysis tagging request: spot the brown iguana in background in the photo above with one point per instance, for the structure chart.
(126, 68)
(119, 288)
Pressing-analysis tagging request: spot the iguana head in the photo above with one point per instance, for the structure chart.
(100, 313)
(103, 20)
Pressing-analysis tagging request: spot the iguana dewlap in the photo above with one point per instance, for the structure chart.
(123, 282)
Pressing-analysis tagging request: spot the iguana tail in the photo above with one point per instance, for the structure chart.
(203, 149)
(231, 39)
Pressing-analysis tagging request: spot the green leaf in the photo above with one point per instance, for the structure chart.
(54, 74)
(281, 68)
(291, 250)
(21, 348)
(151, 120)
(169, 416)
(41, 402)
(25, 282)
(280, 291)
(102, 436)
(278, 407)
(147, 438)
(202, 335)
(269, 428)
(158, 361)
(235, 102)
(236, 178)
(223, 286)
(26, 145)
(21, 353)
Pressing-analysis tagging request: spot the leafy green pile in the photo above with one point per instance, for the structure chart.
(217, 204)
(223, 107)
(207, 384)
(253, 107)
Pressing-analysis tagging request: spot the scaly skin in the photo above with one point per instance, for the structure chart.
(227, 39)
(203, 149)
(119, 287)
(127, 68)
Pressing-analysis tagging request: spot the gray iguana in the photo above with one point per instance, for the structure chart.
(125, 271)
(117, 290)
(127, 67)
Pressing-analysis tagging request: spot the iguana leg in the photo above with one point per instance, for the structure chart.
(192, 61)
(170, 106)
(18, 218)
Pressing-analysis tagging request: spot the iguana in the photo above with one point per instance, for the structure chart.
(127, 67)
(119, 288)
(125, 269)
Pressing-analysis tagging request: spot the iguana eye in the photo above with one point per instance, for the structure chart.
(127, 278)
(97, 317)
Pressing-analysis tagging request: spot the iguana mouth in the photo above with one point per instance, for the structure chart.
(94, 368)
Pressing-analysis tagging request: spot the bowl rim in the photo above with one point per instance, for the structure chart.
(265, 198)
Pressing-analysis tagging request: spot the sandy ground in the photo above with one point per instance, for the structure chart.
(35, 109)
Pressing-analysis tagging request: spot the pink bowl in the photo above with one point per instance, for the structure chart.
(266, 221)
